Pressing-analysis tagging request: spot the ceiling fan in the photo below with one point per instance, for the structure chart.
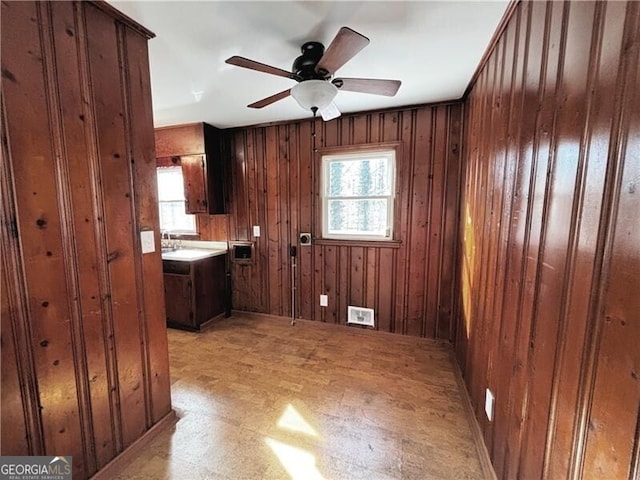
(313, 70)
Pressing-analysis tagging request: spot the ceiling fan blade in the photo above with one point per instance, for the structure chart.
(368, 85)
(343, 48)
(260, 67)
(330, 112)
(269, 100)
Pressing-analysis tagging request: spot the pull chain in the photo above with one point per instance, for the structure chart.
(313, 134)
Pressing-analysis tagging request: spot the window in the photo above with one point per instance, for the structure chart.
(357, 195)
(171, 202)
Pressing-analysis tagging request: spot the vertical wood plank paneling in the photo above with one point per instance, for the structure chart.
(39, 219)
(20, 428)
(372, 292)
(64, 197)
(244, 191)
(359, 132)
(437, 216)
(145, 190)
(331, 279)
(479, 225)
(273, 221)
(356, 276)
(510, 196)
(14, 428)
(73, 274)
(550, 137)
(318, 282)
(105, 74)
(284, 207)
(417, 231)
(101, 252)
(537, 164)
(572, 331)
(389, 123)
(449, 272)
(386, 290)
(243, 156)
(394, 281)
(67, 38)
(240, 190)
(213, 227)
(344, 274)
(262, 275)
(616, 377)
(577, 73)
(501, 194)
(294, 212)
(551, 255)
(307, 189)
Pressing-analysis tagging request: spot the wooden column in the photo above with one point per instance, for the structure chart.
(84, 348)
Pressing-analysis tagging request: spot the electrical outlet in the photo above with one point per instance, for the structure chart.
(324, 301)
(256, 230)
(489, 402)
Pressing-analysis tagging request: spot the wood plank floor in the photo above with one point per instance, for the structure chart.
(259, 399)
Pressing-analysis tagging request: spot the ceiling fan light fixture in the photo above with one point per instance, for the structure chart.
(314, 93)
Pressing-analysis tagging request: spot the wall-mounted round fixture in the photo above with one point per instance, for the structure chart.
(305, 239)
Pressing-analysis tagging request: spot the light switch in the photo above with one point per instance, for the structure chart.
(324, 301)
(147, 241)
(256, 230)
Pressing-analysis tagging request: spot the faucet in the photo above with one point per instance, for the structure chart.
(162, 234)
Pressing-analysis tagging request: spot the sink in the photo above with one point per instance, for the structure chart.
(185, 254)
(189, 254)
(168, 249)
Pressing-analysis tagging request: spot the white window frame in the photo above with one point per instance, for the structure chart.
(326, 160)
(175, 200)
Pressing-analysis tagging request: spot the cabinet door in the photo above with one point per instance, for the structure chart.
(217, 152)
(195, 183)
(210, 287)
(178, 299)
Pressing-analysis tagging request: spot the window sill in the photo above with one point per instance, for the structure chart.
(358, 243)
(184, 236)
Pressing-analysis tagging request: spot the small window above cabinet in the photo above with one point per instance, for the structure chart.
(198, 148)
(171, 199)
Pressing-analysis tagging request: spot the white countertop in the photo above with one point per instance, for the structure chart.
(196, 250)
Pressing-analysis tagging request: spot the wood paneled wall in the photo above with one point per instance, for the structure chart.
(550, 317)
(274, 176)
(84, 348)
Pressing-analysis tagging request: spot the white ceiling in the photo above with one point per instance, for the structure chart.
(433, 47)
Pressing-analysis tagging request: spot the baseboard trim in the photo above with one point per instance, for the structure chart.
(115, 466)
(210, 322)
(483, 454)
(355, 329)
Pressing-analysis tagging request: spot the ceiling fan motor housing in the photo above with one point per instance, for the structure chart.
(305, 65)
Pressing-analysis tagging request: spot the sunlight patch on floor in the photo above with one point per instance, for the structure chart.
(292, 420)
(299, 464)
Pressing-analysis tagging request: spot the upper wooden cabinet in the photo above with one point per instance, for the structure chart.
(194, 173)
(199, 149)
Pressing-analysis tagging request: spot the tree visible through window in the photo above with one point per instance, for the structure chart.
(357, 194)
(171, 202)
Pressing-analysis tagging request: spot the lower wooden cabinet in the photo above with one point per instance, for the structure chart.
(194, 291)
